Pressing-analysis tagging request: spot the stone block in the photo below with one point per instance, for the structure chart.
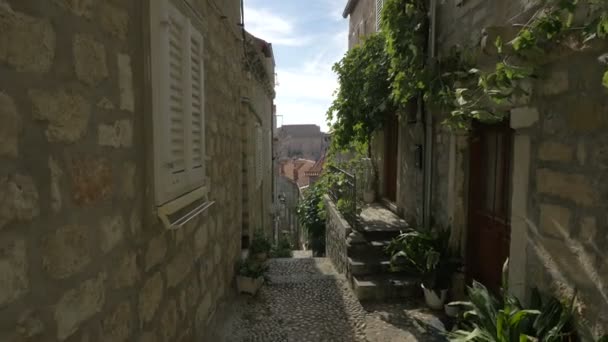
(89, 59)
(125, 81)
(555, 151)
(26, 43)
(56, 176)
(30, 324)
(81, 8)
(128, 180)
(555, 221)
(114, 20)
(91, 180)
(78, 305)
(573, 187)
(203, 311)
(9, 127)
(599, 154)
(523, 117)
(180, 266)
(112, 232)
(200, 241)
(66, 112)
(581, 153)
(147, 337)
(556, 83)
(118, 325)
(585, 115)
(157, 249)
(150, 297)
(168, 321)
(106, 104)
(18, 199)
(14, 281)
(588, 233)
(120, 134)
(126, 273)
(66, 251)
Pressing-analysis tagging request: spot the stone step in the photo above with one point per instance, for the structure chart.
(386, 287)
(369, 249)
(369, 265)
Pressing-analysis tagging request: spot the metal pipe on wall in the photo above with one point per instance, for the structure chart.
(428, 127)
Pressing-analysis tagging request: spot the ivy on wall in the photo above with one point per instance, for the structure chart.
(456, 85)
(362, 101)
(392, 67)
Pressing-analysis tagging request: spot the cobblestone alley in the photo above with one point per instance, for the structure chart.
(304, 299)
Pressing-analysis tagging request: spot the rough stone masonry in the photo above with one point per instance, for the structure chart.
(82, 255)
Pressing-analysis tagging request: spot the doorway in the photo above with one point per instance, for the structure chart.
(489, 230)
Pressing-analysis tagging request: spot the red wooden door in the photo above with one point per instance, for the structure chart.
(391, 142)
(489, 204)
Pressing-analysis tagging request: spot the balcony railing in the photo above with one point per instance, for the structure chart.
(343, 191)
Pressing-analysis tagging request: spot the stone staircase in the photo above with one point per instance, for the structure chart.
(369, 265)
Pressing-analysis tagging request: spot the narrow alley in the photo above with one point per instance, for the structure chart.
(306, 300)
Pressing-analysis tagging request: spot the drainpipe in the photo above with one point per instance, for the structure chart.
(428, 123)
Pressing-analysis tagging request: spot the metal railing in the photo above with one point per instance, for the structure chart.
(343, 191)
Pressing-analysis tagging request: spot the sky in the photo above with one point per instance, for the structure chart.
(308, 37)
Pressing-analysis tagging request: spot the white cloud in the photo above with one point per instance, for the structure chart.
(273, 28)
(305, 93)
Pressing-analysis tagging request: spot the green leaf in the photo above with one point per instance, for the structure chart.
(605, 79)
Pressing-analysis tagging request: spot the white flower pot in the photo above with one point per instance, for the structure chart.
(433, 300)
(248, 284)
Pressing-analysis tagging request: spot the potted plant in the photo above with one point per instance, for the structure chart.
(259, 247)
(488, 318)
(425, 253)
(250, 276)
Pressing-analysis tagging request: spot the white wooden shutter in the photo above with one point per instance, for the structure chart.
(178, 88)
(379, 6)
(197, 109)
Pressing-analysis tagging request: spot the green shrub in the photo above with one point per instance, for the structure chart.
(259, 243)
(489, 319)
(252, 269)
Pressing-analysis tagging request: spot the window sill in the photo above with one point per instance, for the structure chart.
(180, 211)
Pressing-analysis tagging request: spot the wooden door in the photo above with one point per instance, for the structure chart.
(391, 143)
(489, 206)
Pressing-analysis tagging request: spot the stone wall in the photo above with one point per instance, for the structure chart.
(337, 230)
(257, 210)
(288, 210)
(559, 170)
(362, 21)
(568, 197)
(410, 175)
(82, 254)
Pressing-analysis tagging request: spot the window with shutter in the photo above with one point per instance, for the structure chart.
(379, 6)
(177, 77)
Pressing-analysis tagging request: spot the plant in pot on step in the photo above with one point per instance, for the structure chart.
(425, 253)
(259, 247)
(250, 276)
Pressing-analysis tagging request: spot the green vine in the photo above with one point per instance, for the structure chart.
(362, 100)
(455, 85)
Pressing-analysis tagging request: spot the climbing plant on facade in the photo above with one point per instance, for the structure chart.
(362, 100)
(467, 93)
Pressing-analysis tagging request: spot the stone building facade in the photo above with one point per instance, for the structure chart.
(83, 254)
(301, 141)
(555, 186)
